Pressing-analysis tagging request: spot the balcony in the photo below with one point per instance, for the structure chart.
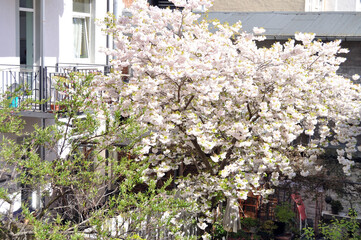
(35, 84)
(162, 4)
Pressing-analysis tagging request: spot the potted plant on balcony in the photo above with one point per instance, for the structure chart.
(63, 85)
(249, 224)
(13, 95)
(267, 229)
(285, 216)
(57, 107)
(336, 206)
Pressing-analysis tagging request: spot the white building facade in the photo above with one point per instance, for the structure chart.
(60, 31)
(332, 5)
(285, 6)
(40, 39)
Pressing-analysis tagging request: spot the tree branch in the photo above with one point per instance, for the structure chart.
(249, 111)
(199, 151)
(228, 155)
(201, 154)
(41, 214)
(189, 101)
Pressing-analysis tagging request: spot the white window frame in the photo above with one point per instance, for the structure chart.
(87, 17)
(32, 10)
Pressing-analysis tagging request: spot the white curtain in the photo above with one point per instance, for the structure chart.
(78, 34)
(231, 218)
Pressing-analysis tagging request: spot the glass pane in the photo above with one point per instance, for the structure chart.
(26, 37)
(82, 6)
(81, 40)
(26, 3)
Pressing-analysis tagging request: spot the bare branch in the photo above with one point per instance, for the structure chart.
(189, 101)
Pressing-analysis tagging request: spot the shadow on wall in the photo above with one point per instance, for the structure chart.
(22, 30)
(54, 12)
(8, 22)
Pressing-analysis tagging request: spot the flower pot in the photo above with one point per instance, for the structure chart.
(336, 206)
(281, 228)
(14, 102)
(56, 107)
(286, 236)
(335, 210)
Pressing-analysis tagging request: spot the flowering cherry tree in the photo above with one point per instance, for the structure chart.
(245, 117)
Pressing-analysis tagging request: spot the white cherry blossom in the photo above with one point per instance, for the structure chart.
(244, 116)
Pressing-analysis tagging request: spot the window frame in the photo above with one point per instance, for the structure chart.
(27, 10)
(87, 17)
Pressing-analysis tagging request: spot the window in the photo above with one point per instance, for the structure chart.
(26, 32)
(81, 27)
(26, 3)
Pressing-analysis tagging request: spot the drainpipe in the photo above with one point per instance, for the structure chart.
(41, 92)
(115, 13)
(115, 8)
(107, 44)
(107, 70)
(42, 16)
(42, 21)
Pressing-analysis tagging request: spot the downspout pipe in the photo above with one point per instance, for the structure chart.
(116, 16)
(115, 8)
(42, 17)
(38, 201)
(107, 43)
(42, 64)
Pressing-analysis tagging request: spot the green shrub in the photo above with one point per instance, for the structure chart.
(344, 229)
(284, 213)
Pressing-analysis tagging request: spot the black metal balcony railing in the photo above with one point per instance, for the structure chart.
(164, 4)
(36, 84)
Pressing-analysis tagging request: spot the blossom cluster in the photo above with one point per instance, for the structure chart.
(245, 117)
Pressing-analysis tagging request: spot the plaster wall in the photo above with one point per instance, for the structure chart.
(64, 13)
(358, 6)
(100, 37)
(330, 5)
(8, 39)
(337, 5)
(258, 5)
(54, 11)
(66, 33)
(57, 35)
